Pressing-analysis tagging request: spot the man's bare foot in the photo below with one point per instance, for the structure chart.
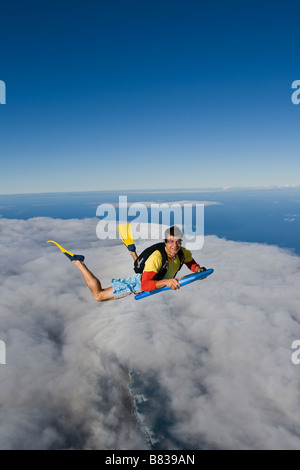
(77, 262)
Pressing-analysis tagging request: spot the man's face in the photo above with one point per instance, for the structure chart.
(173, 245)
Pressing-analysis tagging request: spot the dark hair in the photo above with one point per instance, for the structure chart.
(173, 231)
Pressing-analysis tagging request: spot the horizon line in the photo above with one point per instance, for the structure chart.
(162, 190)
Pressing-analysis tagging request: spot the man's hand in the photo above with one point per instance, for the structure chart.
(198, 269)
(173, 283)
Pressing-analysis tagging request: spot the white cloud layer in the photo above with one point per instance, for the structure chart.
(220, 349)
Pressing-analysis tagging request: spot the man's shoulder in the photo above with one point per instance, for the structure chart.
(187, 254)
(155, 254)
(154, 262)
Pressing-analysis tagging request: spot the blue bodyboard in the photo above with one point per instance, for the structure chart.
(183, 282)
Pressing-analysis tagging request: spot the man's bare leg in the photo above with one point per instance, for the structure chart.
(134, 255)
(94, 284)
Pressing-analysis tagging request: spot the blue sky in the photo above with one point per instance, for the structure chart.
(139, 94)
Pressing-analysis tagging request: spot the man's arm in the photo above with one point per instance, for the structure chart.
(195, 267)
(149, 283)
(191, 263)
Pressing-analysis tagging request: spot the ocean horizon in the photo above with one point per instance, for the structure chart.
(264, 215)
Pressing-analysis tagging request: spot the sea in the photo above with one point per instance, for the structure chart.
(270, 216)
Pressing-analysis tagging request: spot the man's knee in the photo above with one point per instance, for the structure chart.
(98, 296)
(104, 294)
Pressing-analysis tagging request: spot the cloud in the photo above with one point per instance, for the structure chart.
(291, 217)
(217, 353)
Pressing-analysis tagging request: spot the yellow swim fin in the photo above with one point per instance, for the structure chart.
(127, 237)
(60, 247)
(70, 255)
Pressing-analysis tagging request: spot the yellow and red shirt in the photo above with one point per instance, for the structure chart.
(154, 264)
